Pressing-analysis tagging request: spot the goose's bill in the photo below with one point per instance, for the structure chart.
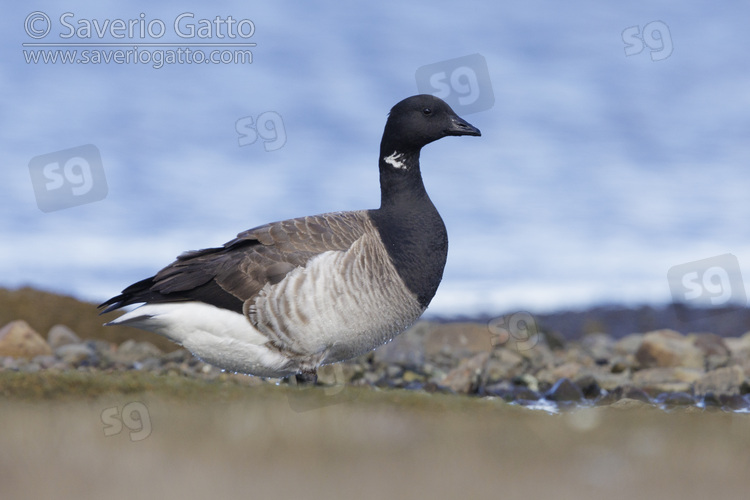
(459, 126)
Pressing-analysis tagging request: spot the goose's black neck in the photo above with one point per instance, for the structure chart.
(409, 224)
(400, 179)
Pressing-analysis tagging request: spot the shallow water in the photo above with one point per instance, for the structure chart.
(554, 407)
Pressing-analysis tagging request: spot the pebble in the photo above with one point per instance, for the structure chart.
(511, 392)
(45, 361)
(674, 379)
(671, 399)
(527, 380)
(131, 351)
(564, 390)
(715, 350)
(74, 354)
(711, 400)
(629, 404)
(629, 344)
(598, 345)
(721, 381)
(503, 364)
(463, 379)
(662, 369)
(668, 348)
(734, 402)
(60, 335)
(589, 387)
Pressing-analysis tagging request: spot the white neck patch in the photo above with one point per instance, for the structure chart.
(394, 160)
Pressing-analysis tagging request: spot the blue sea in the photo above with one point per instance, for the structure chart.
(615, 146)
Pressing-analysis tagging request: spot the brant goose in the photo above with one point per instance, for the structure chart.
(290, 296)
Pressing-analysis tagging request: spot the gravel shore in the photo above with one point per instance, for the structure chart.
(661, 368)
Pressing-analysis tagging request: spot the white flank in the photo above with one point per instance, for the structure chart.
(218, 336)
(394, 160)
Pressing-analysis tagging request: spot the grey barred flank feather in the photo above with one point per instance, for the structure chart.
(342, 302)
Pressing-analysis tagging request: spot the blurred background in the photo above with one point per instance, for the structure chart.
(614, 144)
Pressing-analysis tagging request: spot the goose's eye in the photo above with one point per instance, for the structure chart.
(427, 111)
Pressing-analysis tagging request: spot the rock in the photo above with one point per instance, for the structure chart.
(328, 375)
(629, 344)
(589, 386)
(599, 346)
(177, 356)
(566, 370)
(734, 402)
(727, 402)
(624, 392)
(540, 356)
(564, 390)
(393, 371)
(370, 378)
(60, 335)
(458, 338)
(406, 350)
(721, 381)
(8, 363)
(675, 399)
(621, 363)
(19, 340)
(511, 392)
(131, 351)
(502, 389)
(30, 367)
(525, 394)
(45, 361)
(739, 347)
(527, 380)
(555, 340)
(606, 379)
(711, 400)
(715, 350)
(74, 354)
(576, 353)
(629, 404)
(410, 376)
(463, 379)
(666, 379)
(636, 393)
(503, 364)
(667, 348)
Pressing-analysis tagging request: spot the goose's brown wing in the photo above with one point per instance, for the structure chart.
(228, 276)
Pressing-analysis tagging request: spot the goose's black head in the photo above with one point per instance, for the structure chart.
(419, 120)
